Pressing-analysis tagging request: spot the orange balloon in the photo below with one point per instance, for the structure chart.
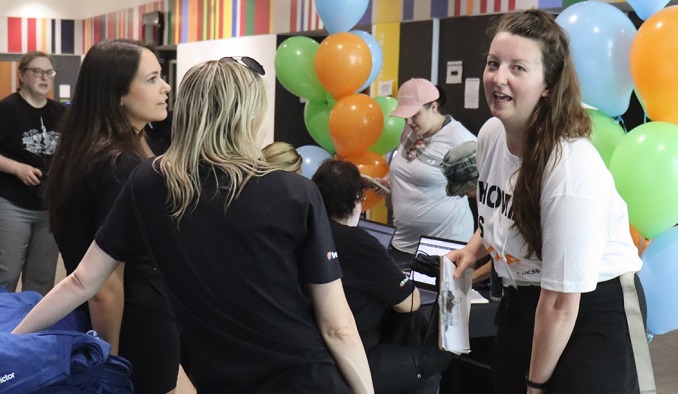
(370, 163)
(640, 241)
(343, 64)
(653, 59)
(355, 124)
(371, 199)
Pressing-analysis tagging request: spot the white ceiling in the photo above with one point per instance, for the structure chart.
(64, 9)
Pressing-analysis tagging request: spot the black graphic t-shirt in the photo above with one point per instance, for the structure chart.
(27, 135)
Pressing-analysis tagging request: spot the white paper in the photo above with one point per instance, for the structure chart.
(64, 91)
(477, 298)
(386, 88)
(455, 309)
(471, 93)
(454, 70)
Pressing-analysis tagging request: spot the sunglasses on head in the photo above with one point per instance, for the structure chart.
(246, 61)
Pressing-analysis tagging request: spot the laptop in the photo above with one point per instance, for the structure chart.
(382, 232)
(433, 246)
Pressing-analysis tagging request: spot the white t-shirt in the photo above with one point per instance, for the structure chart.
(584, 221)
(420, 204)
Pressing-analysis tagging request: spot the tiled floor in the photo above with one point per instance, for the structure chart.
(663, 350)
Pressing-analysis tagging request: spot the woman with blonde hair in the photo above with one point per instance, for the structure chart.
(283, 156)
(254, 280)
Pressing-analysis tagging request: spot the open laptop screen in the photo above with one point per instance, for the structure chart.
(382, 232)
(434, 246)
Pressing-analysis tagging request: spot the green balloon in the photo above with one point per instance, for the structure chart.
(645, 171)
(316, 118)
(393, 127)
(295, 68)
(606, 133)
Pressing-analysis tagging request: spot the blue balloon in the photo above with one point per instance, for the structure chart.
(377, 56)
(312, 156)
(340, 15)
(658, 277)
(646, 8)
(600, 39)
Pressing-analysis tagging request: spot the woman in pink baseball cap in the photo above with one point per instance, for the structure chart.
(421, 205)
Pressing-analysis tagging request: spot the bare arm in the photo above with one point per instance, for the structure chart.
(337, 326)
(77, 288)
(410, 304)
(30, 176)
(106, 308)
(482, 272)
(554, 321)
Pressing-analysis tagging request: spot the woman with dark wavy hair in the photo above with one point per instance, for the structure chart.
(555, 226)
(119, 90)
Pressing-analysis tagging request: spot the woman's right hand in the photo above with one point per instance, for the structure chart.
(463, 259)
(29, 175)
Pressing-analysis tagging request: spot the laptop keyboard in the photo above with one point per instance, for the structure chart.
(428, 297)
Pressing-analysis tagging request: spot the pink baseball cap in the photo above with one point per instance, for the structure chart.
(412, 95)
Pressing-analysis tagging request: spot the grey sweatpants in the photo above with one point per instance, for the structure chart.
(26, 248)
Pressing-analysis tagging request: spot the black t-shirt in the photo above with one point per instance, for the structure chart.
(160, 134)
(236, 278)
(86, 210)
(372, 280)
(27, 135)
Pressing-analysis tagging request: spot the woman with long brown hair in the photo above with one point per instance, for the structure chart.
(555, 226)
(119, 90)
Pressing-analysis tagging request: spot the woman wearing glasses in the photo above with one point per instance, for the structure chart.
(420, 203)
(246, 250)
(28, 138)
(119, 90)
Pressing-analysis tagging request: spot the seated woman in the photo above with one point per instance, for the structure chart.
(373, 283)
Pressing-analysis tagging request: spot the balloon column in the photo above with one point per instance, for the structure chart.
(613, 59)
(331, 75)
(642, 161)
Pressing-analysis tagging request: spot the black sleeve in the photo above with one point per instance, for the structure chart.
(4, 121)
(110, 184)
(121, 235)
(370, 267)
(318, 261)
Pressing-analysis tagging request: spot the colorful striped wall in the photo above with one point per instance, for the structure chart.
(59, 36)
(120, 24)
(198, 20)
